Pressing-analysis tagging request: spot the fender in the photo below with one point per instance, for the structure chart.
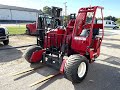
(37, 56)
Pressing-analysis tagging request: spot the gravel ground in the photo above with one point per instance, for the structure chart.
(104, 74)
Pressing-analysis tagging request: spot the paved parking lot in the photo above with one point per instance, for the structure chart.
(104, 74)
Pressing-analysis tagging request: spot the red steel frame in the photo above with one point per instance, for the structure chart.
(77, 44)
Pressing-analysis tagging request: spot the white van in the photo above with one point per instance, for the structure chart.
(109, 24)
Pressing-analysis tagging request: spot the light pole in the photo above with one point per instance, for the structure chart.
(65, 21)
(65, 8)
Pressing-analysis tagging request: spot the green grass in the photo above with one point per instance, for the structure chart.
(16, 29)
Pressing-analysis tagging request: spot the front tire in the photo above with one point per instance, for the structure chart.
(6, 42)
(27, 55)
(76, 68)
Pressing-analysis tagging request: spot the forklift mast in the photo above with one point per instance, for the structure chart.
(45, 21)
(56, 16)
(41, 28)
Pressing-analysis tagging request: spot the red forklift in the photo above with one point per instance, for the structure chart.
(32, 27)
(69, 50)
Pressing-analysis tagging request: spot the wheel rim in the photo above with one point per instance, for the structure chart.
(82, 69)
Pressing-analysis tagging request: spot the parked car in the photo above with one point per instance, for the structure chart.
(4, 35)
(109, 24)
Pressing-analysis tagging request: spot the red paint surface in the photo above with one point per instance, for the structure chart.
(37, 56)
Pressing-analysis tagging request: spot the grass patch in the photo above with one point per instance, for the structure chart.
(18, 29)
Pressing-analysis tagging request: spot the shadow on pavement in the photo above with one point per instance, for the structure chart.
(111, 39)
(111, 45)
(49, 82)
(9, 54)
(112, 59)
(99, 77)
(102, 76)
(109, 33)
(34, 65)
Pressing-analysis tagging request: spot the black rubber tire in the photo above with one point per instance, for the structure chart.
(116, 27)
(6, 42)
(28, 32)
(28, 53)
(71, 68)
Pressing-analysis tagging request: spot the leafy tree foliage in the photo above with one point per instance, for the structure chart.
(118, 21)
(110, 18)
(47, 10)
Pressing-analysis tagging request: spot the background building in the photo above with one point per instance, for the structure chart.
(17, 14)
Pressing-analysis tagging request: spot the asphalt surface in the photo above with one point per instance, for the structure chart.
(104, 74)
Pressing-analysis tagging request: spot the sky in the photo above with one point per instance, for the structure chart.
(111, 7)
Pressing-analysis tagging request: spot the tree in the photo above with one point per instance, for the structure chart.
(65, 19)
(99, 18)
(47, 10)
(118, 21)
(110, 18)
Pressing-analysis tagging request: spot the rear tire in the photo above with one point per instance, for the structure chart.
(76, 68)
(116, 27)
(28, 32)
(27, 55)
(6, 42)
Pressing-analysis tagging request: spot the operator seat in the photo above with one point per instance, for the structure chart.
(95, 32)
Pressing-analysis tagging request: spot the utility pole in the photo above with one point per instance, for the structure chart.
(90, 3)
(65, 8)
(65, 19)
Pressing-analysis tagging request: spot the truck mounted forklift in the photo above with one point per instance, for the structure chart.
(54, 17)
(69, 50)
